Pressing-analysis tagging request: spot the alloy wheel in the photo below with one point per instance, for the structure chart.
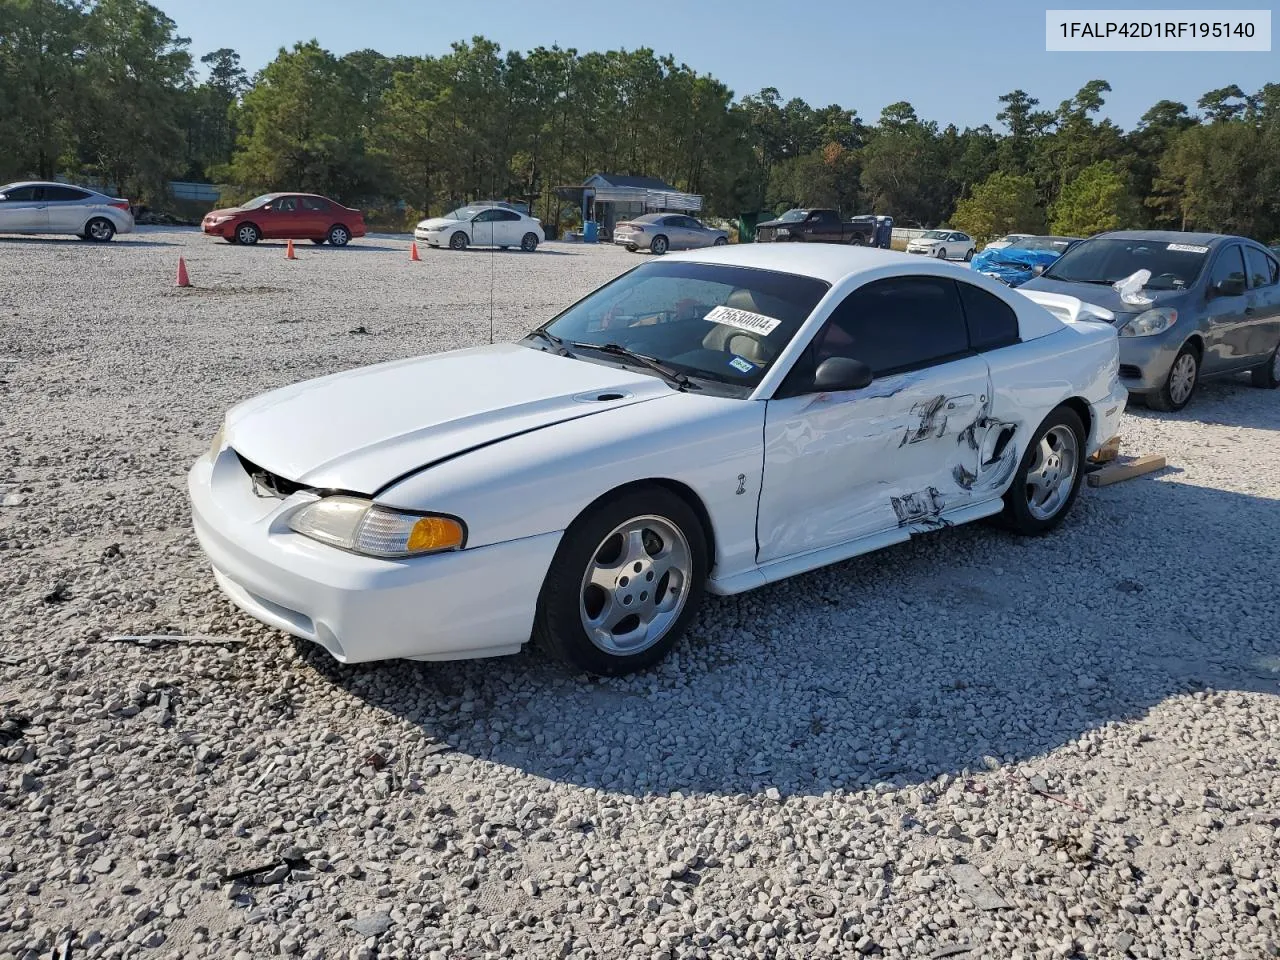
(1053, 472)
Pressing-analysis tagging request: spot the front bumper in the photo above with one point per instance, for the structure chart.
(1145, 361)
(471, 603)
(424, 236)
(1106, 417)
(223, 230)
(928, 251)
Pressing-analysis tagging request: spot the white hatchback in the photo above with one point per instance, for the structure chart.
(35, 206)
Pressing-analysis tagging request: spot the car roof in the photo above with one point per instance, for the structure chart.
(51, 183)
(1167, 236)
(831, 262)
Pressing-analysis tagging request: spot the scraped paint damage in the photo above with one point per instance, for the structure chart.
(933, 423)
(987, 443)
(924, 508)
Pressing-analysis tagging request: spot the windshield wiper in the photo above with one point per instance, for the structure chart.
(555, 341)
(670, 374)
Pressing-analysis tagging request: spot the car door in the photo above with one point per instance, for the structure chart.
(1225, 332)
(699, 235)
(1262, 309)
(67, 209)
(24, 210)
(508, 228)
(842, 466)
(289, 220)
(314, 217)
(482, 228)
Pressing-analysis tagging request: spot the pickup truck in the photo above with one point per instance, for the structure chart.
(817, 226)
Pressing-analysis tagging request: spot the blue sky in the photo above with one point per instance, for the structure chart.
(950, 60)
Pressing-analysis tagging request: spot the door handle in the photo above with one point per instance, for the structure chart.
(1248, 311)
(960, 403)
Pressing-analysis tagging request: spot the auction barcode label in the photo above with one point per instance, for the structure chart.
(743, 320)
(1236, 31)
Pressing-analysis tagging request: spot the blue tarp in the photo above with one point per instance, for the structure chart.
(1014, 265)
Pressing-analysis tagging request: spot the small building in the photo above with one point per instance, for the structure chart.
(608, 198)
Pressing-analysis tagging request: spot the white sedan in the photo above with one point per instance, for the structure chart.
(481, 225)
(36, 206)
(709, 421)
(943, 244)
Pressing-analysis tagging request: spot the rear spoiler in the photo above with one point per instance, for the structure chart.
(1067, 308)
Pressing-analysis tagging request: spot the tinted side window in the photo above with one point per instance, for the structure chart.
(314, 203)
(992, 322)
(507, 215)
(897, 324)
(64, 193)
(287, 204)
(1228, 267)
(1262, 269)
(21, 195)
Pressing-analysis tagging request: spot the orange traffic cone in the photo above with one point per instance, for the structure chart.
(413, 251)
(183, 279)
(288, 251)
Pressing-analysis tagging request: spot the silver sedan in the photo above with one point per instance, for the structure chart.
(660, 232)
(34, 206)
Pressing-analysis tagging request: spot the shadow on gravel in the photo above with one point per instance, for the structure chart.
(1225, 403)
(924, 659)
(121, 240)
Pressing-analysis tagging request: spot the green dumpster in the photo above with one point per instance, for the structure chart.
(747, 227)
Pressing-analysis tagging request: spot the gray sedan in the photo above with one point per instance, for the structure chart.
(34, 206)
(660, 232)
(1188, 306)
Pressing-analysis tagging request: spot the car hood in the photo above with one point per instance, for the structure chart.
(1103, 295)
(437, 222)
(779, 223)
(361, 429)
(224, 212)
(923, 242)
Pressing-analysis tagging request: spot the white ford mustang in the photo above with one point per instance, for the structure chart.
(713, 421)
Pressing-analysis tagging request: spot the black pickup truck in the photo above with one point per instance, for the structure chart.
(817, 226)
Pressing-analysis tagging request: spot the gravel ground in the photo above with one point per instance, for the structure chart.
(970, 745)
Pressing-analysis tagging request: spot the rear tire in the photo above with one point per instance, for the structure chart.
(634, 568)
(528, 243)
(1049, 476)
(855, 240)
(100, 229)
(1180, 383)
(720, 242)
(339, 236)
(1267, 376)
(632, 248)
(658, 245)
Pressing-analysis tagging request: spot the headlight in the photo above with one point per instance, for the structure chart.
(361, 526)
(218, 220)
(215, 447)
(1149, 323)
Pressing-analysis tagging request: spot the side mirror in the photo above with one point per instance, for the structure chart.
(835, 374)
(1037, 269)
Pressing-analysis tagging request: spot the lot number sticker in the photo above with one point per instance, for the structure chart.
(742, 366)
(1187, 248)
(743, 320)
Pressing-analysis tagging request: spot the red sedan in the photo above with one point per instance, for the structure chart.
(286, 216)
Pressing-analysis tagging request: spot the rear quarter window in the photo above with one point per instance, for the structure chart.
(992, 322)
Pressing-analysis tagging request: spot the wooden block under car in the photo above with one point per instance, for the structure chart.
(1107, 452)
(1126, 468)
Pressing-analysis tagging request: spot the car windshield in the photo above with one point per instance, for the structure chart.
(791, 216)
(713, 322)
(934, 235)
(258, 201)
(1104, 260)
(463, 213)
(1052, 244)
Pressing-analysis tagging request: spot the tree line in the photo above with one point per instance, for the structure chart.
(108, 91)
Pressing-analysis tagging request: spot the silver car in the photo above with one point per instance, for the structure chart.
(660, 232)
(36, 206)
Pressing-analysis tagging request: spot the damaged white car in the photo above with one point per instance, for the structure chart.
(710, 421)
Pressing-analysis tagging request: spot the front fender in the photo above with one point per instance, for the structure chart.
(540, 482)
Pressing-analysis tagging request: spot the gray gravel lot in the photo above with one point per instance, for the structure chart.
(971, 743)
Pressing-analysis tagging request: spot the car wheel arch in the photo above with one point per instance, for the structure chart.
(1080, 407)
(681, 490)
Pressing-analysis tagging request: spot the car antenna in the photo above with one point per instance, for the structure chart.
(491, 254)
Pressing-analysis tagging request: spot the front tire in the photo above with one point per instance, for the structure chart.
(1049, 476)
(720, 242)
(1181, 382)
(248, 234)
(458, 241)
(625, 583)
(1267, 376)
(100, 229)
(529, 242)
(658, 245)
(942, 253)
(632, 248)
